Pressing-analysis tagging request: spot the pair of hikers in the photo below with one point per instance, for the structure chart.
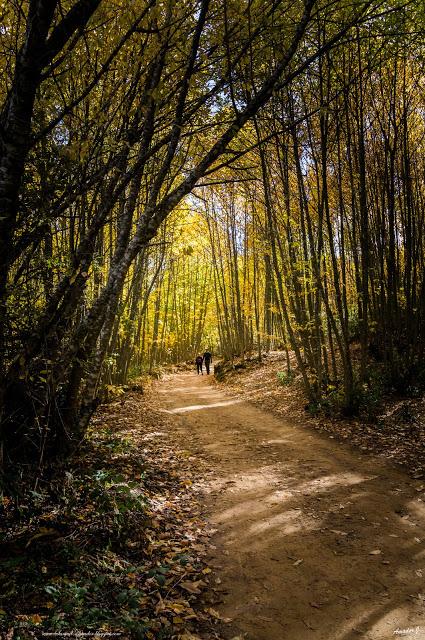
(200, 360)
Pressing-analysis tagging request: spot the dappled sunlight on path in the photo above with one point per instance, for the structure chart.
(313, 540)
(198, 407)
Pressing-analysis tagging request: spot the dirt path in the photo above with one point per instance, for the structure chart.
(313, 541)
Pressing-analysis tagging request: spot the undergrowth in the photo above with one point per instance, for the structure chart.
(104, 545)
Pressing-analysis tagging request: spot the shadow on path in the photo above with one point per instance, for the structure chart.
(313, 540)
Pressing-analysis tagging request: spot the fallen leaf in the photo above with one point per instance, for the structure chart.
(339, 533)
(177, 607)
(192, 587)
(43, 532)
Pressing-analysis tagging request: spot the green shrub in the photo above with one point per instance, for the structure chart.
(285, 378)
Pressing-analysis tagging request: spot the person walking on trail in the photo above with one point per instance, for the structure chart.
(207, 359)
(199, 360)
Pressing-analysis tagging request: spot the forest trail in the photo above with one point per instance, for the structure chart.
(313, 540)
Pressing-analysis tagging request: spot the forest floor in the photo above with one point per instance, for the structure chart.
(192, 513)
(391, 426)
(313, 540)
(112, 543)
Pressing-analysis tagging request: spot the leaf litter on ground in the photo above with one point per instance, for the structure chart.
(113, 543)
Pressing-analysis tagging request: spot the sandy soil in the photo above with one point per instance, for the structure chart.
(393, 427)
(312, 541)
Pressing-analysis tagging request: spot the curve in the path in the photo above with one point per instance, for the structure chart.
(313, 541)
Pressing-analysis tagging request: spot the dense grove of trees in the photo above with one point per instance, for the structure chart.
(176, 174)
(338, 205)
(318, 249)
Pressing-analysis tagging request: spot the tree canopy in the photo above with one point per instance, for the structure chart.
(233, 174)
